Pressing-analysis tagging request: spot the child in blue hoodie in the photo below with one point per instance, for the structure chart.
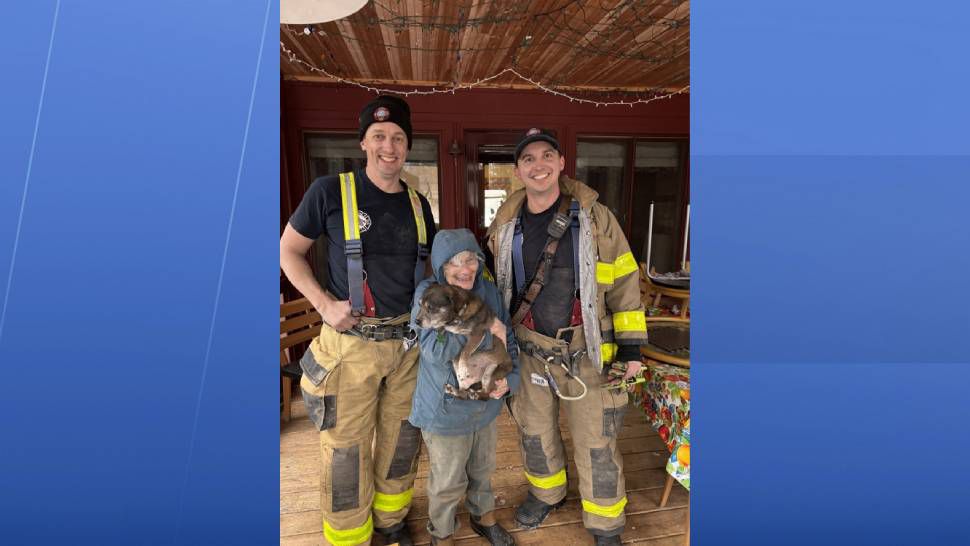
(460, 434)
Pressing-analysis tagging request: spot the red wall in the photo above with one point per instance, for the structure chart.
(323, 107)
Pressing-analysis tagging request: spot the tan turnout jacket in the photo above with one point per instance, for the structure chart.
(609, 278)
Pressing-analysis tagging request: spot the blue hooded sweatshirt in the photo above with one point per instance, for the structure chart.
(433, 410)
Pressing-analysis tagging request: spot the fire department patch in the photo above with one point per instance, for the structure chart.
(382, 114)
(364, 220)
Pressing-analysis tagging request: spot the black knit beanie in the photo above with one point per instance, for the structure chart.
(386, 108)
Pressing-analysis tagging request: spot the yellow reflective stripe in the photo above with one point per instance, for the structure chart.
(549, 482)
(608, 350)
(385, 502)
(349, 537)
(629, 321)
(351, 218)
(488, 275)
(624, 265)
(604, 273)
(612, 511)
(418, 217)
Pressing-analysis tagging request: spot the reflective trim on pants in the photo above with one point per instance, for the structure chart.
(388, 502)
(612, 511)
(349, 537)
(549, 482)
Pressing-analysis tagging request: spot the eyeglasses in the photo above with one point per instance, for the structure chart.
(468, 261)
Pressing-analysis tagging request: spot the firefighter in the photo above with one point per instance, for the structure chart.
(564, 268)
(359, 374)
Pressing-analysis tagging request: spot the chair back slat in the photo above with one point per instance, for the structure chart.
(299, 323)
(295, 306)
(292, 340)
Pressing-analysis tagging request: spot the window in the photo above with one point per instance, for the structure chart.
(658, 178)
(602, 165)
(333, 154)
(328, 154)
(631, 173)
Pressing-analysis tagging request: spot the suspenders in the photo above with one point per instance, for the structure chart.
(359, 292)
(518, 265)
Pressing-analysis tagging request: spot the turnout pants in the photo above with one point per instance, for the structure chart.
(358, 393)
(594, 422)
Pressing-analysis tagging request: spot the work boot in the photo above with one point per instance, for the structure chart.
(532, 512)
(607, 541)
(398, 534)
(493, 533)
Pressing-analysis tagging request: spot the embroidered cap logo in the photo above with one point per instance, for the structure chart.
(532, 131)
(381, 114)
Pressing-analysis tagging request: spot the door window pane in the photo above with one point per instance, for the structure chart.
(499, 181)
(658, 177)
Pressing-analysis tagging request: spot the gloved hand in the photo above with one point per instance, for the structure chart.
(621, 370)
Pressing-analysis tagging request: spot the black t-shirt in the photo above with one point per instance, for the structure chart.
(387, 233)
(553, 307)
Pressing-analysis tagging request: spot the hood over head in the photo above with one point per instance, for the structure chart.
(449, 242)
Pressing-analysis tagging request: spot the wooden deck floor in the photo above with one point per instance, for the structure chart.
(644, 457)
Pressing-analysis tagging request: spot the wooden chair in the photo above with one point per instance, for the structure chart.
(655, 291)
(668, 326)
(299, 323)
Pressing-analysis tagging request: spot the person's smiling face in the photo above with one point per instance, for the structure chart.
(461, 269)
(539, 166)
(386, 146)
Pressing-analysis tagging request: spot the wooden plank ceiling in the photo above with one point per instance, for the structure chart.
(597, 45)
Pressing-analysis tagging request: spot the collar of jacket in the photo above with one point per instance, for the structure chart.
(584, 194)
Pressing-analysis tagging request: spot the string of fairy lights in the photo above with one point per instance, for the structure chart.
(585, 28)
(477, 83)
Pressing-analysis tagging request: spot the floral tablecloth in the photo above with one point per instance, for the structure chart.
(664, 397)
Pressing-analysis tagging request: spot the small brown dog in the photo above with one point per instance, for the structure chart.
(460, 311)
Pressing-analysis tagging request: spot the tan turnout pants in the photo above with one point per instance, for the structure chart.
(594, 422)
(358, 393)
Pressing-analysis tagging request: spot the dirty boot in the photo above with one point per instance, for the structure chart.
(607, 541)
(494, 533)
(532, 512)
(399, 534)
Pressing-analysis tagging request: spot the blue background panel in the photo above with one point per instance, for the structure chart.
(137, 356)
(845, 258)
(138, 362)
(829, 250)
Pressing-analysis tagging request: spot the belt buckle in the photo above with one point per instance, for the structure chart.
(409, 339)
(368, 330)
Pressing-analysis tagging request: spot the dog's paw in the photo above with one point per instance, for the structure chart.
(450, 389)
